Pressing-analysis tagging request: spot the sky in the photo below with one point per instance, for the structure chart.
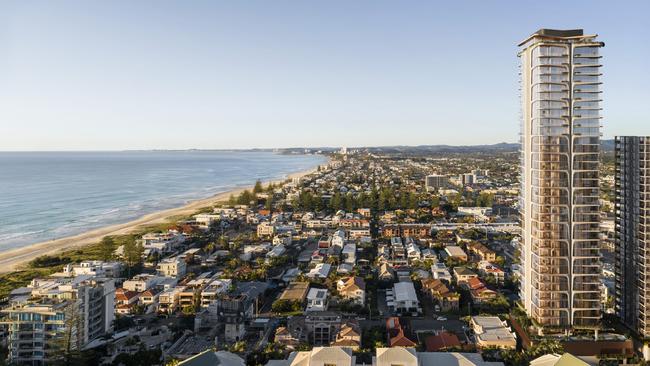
(114, 75)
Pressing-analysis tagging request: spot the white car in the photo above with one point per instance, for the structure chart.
(441, 318)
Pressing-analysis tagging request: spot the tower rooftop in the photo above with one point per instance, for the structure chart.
(557, 34)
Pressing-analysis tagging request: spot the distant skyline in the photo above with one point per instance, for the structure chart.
(258, 74)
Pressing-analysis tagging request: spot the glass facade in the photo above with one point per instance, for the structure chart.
(560, 92)
(632, 249)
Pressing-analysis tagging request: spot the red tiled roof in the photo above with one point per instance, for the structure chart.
(442, 341)
(125, 295)
(475, 283)
(396, 335)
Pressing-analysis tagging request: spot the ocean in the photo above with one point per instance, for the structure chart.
(50, 195)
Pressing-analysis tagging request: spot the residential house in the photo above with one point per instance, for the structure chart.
(338, 239)
(488, 269)
(479, 292)
(485, 253)
(386, 272)
(265, 230)
(168, 300)
(125, 300)
(396, 334)
(317, 299)
(440, 294)
(352, 288)
(442, 341)
(463, 275)
(211, 292)
(455, 252)
(321, 270)
(349, 336)
(284, 337)
(439, 271)
(490, 331)
(349, 253)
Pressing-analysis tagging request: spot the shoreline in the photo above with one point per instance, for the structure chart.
(13, 259)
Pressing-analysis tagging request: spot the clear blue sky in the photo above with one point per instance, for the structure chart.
(97, 75)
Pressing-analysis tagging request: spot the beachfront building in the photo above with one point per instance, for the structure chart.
(93, 268)
(60, 313)
(160, 243)
(36, 331)
(560, 145)
(632, 233)
(206, 220)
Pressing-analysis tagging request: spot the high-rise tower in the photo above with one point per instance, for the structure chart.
(633, 232)
(560, 144)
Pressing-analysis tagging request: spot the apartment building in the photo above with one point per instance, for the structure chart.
(632, 232)
(434, 182)
(61, 311)
(560, 145)
(403, 299)
(93, 268)
(174, 267)
(238, 307)
(36, 331)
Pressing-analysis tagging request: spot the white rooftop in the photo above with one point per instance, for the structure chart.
(404, 291)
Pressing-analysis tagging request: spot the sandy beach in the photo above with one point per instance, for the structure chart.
(12, 259)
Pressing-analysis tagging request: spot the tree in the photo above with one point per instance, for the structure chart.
(232, 200)
(349, 202)
(133, 251)
(245, 197)
(286, 306)
(106, 248)
(69, 343)
(258, 187)
(485, 199)
(412, 200)
(335, 202)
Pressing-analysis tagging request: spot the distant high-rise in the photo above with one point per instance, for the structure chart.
(435, 181)
(560, 143)
(633, 232)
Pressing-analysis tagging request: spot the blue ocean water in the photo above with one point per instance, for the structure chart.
(49, 195)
